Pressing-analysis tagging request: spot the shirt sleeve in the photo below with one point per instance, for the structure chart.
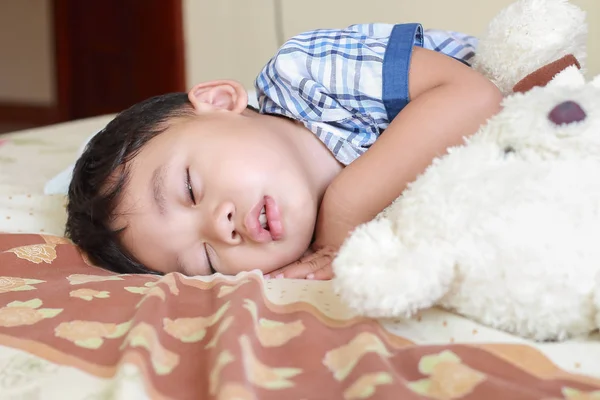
(335, 82)
(330, 80)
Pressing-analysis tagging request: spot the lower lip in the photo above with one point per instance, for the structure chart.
(273, 218)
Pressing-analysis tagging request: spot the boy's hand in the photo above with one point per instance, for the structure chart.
(334, 223)
(313, 265)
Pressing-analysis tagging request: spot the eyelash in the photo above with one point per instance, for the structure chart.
(188, 184)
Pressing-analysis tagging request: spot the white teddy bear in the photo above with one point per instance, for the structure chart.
(506, 228)
(528, 35)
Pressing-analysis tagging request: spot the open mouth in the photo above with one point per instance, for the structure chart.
(263, 223)
(263, 220)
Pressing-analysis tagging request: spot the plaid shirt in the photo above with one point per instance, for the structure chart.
(336, 81)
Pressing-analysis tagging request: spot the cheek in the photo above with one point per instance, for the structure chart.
(229, 160)
(262, 152)
(244, 175)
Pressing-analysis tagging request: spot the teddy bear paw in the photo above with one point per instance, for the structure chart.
(378, 275)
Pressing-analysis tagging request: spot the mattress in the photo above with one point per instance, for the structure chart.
(71, 330)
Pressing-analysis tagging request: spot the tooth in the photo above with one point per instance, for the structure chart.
(262, 218)
(263, 210)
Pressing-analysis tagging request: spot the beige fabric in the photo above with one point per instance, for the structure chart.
(29, 159)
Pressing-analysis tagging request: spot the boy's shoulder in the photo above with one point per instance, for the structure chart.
(310, 56)
(314, 75)
(368, 29)
(332, 80)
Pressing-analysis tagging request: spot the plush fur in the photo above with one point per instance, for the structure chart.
(527, 35)
(504, 229)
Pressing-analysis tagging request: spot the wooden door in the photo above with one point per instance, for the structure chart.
(111, 54)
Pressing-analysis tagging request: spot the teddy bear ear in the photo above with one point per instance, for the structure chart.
(543, 75)
(570, 76)
(596, 81)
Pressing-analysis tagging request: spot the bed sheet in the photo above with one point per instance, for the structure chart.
(29, 158)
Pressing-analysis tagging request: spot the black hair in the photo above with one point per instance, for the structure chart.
(101, 173)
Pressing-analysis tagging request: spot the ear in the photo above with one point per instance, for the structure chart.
(222, 95)
(596, 81)
(570, 77)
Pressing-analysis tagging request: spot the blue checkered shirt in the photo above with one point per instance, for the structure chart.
(336, 81)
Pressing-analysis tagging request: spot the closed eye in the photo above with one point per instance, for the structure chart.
(188, 185)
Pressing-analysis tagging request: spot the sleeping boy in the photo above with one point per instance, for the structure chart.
(199, 182)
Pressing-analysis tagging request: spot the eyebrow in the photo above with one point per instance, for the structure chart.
(157, 185)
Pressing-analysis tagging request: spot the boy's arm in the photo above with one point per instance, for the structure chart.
(448, 102)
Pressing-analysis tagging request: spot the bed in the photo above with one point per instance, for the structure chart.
(69, 330)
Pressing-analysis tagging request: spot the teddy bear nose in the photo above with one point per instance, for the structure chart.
(566, 113)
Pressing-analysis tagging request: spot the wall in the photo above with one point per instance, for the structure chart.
(592, 7)
(228, 39)
(26, 54)
(299, 16)
(233, 38)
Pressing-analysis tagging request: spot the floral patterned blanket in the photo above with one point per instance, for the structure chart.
(175, 337)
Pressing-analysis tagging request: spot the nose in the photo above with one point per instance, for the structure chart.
(567, 112)
(224, 224)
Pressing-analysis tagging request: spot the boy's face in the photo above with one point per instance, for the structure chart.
(197, 191)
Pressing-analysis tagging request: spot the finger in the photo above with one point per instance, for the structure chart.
(324, 252)
(283, 272)
(307, 253)
(310, 262)
(279, 272)
(323, 274)
(308, 256)
(302, 270)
